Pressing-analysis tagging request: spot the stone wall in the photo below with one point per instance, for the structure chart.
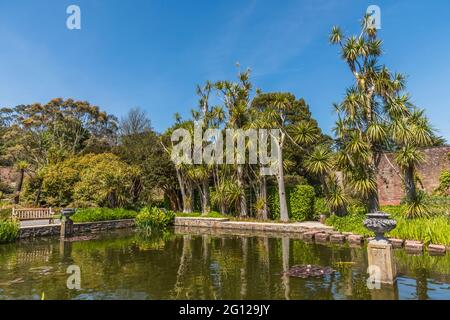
(78, 228)
(390, 185)
(39, 231)
(298, 227)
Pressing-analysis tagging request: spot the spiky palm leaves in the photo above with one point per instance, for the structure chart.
(226, 195)
(322, 163)
(374, 116)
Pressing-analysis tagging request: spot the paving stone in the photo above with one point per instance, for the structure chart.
(396, 243)
(434, 249)
(355, 239)
(322, 237)
(310, 235)
(337, 238)
(413, 246)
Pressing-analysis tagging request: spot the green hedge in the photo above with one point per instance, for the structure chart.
(102, 214)
(300, 200)
(9, 231)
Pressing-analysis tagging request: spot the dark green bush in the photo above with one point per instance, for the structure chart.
(301, 201)
(151, 219)
(102, 214)
(9, 230)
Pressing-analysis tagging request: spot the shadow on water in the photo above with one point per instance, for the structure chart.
(201, 264)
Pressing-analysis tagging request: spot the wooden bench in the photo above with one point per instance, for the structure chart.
(28, 214)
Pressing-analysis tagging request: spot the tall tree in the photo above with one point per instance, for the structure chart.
(236, 98)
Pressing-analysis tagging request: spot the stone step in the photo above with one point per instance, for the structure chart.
(337, 238)
(435, 249)
(413, 246)
(396, 243)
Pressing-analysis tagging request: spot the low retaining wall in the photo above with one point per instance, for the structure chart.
(78, 228)
(223, 223)
(39, 231)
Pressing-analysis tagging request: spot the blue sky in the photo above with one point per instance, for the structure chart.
(152, 53)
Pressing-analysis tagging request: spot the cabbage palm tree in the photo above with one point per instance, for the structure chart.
(374, 115)
(236, 98)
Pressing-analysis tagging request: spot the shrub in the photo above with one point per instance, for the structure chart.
(152, 219)
(444, 183)
(9, 230)
(101, 179)
(301, 201)
(321, 207)
(102, 214)
(5, 213)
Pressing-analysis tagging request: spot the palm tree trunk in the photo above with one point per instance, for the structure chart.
(284, 216)
(410, 186)
(189, 198)
(263, 196)
(374, 202)
(206, 206)
(183, 191)
(243, 198)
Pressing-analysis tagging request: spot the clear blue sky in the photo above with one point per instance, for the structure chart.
(152, 53)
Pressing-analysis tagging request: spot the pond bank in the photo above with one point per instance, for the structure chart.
(78, 228)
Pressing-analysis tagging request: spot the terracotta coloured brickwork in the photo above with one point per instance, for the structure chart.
(390, 185)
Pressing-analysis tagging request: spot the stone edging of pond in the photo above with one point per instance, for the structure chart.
(78, 228)
(306, 231)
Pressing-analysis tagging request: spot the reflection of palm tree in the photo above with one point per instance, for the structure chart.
(184, 260)
(244, 267)
(285, 244)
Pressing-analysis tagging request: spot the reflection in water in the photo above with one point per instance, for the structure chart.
(193, 265)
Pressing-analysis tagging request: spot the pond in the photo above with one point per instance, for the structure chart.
(186, 264)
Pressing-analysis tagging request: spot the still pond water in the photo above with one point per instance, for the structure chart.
(185, 265)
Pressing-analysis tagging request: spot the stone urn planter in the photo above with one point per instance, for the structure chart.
(380, 223)
(67, 213)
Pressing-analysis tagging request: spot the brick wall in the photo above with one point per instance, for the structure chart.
(390, 185)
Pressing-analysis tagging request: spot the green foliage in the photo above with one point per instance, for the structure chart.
(444, 183)
(352, 222)
(212, 214)
(92, 179)
(5, 213)
(9, 230)
(302, 200)
(435, 229)
(273, 202)
(429, 230)
(102, 214)
(416, 207)
(321, 207)
(151, 219)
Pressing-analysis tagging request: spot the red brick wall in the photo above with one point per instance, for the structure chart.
(390, 185)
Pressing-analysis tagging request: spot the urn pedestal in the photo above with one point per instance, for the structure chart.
(66, 222)
(380, 252)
